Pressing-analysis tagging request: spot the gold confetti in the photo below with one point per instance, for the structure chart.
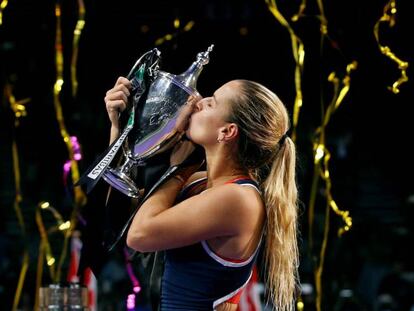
(388, 17)
(171, 36)
(321, 171)
(3, 5)
(80, 24)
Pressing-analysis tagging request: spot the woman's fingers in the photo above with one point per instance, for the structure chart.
(123, 81)
(115, 105)
(115, 96)
(120, 88)
(185, 113)
(116, 99)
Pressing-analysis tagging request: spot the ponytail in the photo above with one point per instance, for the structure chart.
(270, 155)
(281, 251)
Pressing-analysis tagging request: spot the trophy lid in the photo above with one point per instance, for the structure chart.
(190, 76)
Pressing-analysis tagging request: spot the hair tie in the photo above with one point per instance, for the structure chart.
(282, 140)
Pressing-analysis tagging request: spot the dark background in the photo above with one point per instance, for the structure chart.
(370, 136)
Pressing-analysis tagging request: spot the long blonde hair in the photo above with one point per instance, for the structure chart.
(262, 149)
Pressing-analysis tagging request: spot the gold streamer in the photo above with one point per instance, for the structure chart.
(322, 18)
(170, 36)
(3, 5)
(388, 17)
(50, 259)
(17, 209)
(321, 168)
(45, 250)
(79, 196)
(19, 109)
(300, 13)
(321, 171)
(319, 269)
(299, 56)
(39, 273)
(80, 24)
(66, 228)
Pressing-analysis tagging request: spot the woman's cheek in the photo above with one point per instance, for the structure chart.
(197, 129)
(190, 130)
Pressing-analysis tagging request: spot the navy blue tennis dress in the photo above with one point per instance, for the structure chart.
(195, 277)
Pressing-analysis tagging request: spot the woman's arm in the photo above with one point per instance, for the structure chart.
(226, 210)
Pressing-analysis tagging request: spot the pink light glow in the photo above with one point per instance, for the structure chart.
(131, 302)
(136, 286)
(76, 148)
(66, 167)
(77, 155)
(137, 289)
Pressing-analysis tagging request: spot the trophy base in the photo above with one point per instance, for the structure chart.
(121, 182)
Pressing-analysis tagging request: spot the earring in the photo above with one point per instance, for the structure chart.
(219, 140)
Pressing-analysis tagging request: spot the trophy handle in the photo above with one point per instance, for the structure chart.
(152, 69)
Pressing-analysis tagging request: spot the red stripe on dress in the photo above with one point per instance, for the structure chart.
(237, 179)
(236, 298)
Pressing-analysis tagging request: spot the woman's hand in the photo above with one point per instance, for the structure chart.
(188, 156)
(186, 111)
(116, 100)
(181, 152)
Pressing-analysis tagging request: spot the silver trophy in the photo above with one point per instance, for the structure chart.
(155, 131)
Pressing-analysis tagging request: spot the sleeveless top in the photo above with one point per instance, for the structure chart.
(195, 277)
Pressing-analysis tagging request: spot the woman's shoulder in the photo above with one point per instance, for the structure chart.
(230, 192)
(242, 206)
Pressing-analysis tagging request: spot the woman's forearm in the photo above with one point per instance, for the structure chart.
(160, 201)
(113, 134)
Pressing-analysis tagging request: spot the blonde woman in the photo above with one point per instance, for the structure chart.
(213, 223)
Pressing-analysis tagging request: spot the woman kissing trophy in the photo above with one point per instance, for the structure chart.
(149, 131)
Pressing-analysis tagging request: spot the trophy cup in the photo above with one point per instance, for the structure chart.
(151, 125)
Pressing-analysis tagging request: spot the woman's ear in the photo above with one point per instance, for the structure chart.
(228, 132)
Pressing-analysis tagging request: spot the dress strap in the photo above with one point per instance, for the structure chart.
(245, 181)
(192, 188)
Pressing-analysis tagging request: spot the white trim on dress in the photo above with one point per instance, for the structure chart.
(225, 262)
(193, 182)
(233, 293)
